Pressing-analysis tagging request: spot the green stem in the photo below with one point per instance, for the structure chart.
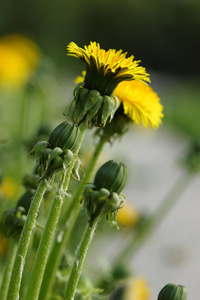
(70, 217)
(153, 222)
(8, 269)
(26, 272)
(79, 260)
(49, 230)
(15, 282)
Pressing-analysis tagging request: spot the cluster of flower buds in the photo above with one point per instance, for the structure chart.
(57, 153)
(15, 218)
(103, 197)
(173, 292)
(92, 107)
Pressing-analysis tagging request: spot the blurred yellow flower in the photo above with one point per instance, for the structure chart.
(8, 188)
(127, 215)
(137, 289)
(106, 69)
(19, 57)
(140, 102)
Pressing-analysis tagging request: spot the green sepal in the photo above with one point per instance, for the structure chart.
(68, 156)
(93, 111)
(79, 111)
(103, 194)
(38, 148)
(56, 165)
(77, 89)
(112, 219)
(91, 99)
(108, 106)
(115, 107)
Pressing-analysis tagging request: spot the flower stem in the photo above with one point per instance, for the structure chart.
(80, 258)
(70, 216)
(8, 269)
(153, 221)
(15, 282)
(49, 230)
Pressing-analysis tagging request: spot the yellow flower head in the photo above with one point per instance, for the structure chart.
(106, 69)
(127, 216)
(138, 289)
(140, 103)
(19, 57)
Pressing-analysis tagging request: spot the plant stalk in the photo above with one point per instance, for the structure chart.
(80, 258)
(16, 277)
(8, 269)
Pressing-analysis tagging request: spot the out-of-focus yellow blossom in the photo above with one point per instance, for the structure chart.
(106, 69)
(137, 289)
(141, 104)
(8, 188)
(19, 57)
(127, 215)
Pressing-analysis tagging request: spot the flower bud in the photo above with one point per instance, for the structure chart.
(173, 292)
(65, 136)
(92, 107)
(103, 197)
(112, 176)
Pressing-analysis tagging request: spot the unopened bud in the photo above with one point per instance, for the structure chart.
(65, 136)
(173, 292)
(112, 176)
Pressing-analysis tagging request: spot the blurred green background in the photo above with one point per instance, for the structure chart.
(164, 35)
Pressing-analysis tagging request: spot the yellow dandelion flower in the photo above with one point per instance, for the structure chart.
(127, 215)
(137, 289)
(140, 103)
(106, 69)
(19, 57)
(8, 188)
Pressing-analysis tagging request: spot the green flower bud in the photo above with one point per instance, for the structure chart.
(103, 197)
(65, 136)
(112, 175)
(173, 292)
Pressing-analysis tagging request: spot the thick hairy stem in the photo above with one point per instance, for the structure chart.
(79, 260)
